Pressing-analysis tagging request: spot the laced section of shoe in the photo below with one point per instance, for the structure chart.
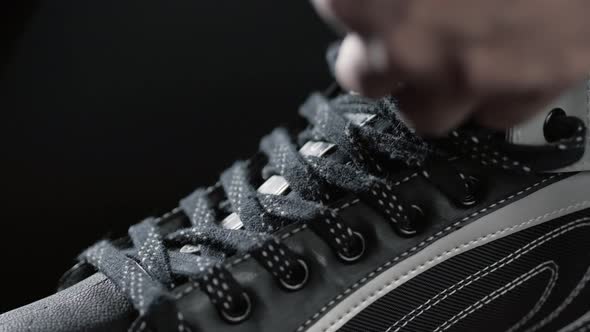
(351, 147)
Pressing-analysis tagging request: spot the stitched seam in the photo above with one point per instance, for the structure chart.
(246, 256)
(579, 287)
(422, 244)
(167, 215)
(406, 179)
(447, 253)
(181, 326)
(548, 291)
(494, 295)
(467, 281)
(300, 228)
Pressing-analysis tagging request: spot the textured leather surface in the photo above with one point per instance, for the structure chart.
(94, 304)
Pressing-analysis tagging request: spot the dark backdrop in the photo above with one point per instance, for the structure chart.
(113, 110)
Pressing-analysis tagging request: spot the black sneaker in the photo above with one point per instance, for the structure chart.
(356, 224)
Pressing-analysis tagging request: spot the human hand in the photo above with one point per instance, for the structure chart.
(498, 61)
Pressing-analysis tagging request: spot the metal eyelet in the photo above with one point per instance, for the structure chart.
(303, 272)
(355, 255)
(472, 194)
(238, 316)
(412, 227)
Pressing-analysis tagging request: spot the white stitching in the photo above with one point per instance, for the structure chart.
(564, 304)
(499, 292)
(429, 240)
(387, 264)
(238, 260)
(167, 215)
(469, 280)
(406, 179)
(546, 293)
(451, 251)
(181, 326)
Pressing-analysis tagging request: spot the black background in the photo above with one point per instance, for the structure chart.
(113, 110)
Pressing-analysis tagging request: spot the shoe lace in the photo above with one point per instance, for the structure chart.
(148, 266)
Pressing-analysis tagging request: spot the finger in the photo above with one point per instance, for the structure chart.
(416, 52)
(507, 111)
(519, 64)
(433, 112)
(355, 15)
(362, 68)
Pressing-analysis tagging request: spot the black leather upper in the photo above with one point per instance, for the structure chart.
(95, 304)
(534, 279)
(275, 309)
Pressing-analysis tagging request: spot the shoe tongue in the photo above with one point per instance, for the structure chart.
(575, 102)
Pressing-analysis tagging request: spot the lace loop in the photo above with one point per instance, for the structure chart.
(232, 302)
(290, 271)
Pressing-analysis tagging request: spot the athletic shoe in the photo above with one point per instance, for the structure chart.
(357, 224)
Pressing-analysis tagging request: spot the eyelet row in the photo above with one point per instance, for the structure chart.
(300, 276)
(407, 227)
